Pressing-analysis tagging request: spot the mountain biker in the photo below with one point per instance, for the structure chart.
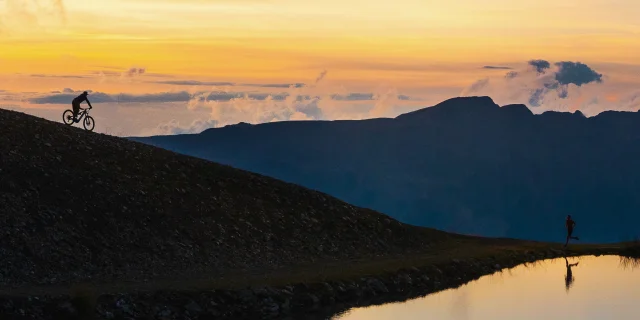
(76, 104)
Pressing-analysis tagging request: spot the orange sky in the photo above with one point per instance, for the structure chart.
(288, 39)
(428, 49)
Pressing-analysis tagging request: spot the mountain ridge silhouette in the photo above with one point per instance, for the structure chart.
(465, 165)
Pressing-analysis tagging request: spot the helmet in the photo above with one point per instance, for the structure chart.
(85, 93)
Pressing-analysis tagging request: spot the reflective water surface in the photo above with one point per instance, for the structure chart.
(606, 287)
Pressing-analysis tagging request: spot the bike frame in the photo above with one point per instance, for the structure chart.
(83, 112)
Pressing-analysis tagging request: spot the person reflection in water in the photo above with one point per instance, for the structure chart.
(568, 278)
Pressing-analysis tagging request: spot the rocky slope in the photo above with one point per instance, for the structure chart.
(79, 206)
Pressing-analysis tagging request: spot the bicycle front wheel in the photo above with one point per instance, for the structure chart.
(67, 117)
(88, 123)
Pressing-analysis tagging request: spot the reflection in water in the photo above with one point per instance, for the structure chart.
(629, 263)
(460, 305)
(608, 288)
(568, 278)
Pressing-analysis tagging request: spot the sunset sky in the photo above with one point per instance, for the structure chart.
(379, 59)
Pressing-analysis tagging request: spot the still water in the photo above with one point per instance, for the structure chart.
(605, 287)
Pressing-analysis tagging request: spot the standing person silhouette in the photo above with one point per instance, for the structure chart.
(76, 104)
(570, 224)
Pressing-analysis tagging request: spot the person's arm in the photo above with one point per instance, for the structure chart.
(89, 103)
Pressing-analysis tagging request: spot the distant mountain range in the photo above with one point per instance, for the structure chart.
(465, 165)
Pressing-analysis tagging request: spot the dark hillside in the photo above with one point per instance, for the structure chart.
(78, 206)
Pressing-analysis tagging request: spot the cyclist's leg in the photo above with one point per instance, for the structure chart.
(76, 109)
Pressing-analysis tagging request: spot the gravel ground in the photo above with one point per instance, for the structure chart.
(79, 206)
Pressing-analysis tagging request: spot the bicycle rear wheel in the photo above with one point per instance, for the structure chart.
(67, 117)
(88, 123)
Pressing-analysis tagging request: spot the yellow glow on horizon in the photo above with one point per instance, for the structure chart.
(225, 57)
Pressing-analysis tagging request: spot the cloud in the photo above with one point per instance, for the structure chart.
(383, 103)
(320, 76)
(511, 74)
(104, 73)
(173, 127)
(133, 71)
(195, 83)
(122, 74)
(22, 16)
(576, 73)
(202, 109)
(404, 97)
(631, 101)
(497, 67)
(66, 95)
(536, 97)
(276, 85)
(39, 75)
(246, 110)
(59, 7)
(100, 97)
(128, 73)
(230, 84)
(309, 102)
(228, 96)
(307, 111)
(563, 92)
(476, 86)
(108, 67)
(540, 84)
(410, 66)
(561, 86)
(19, 12)
(65, 99)
(540, 65)
(161, 97)
(353, 97)
(260, 108)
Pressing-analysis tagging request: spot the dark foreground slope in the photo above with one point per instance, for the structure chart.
(209, 241)
(465, 165)
(80, 206)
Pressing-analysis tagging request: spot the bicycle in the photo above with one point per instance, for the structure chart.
(88, 123)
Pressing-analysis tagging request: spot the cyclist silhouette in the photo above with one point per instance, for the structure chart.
(76, 104)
